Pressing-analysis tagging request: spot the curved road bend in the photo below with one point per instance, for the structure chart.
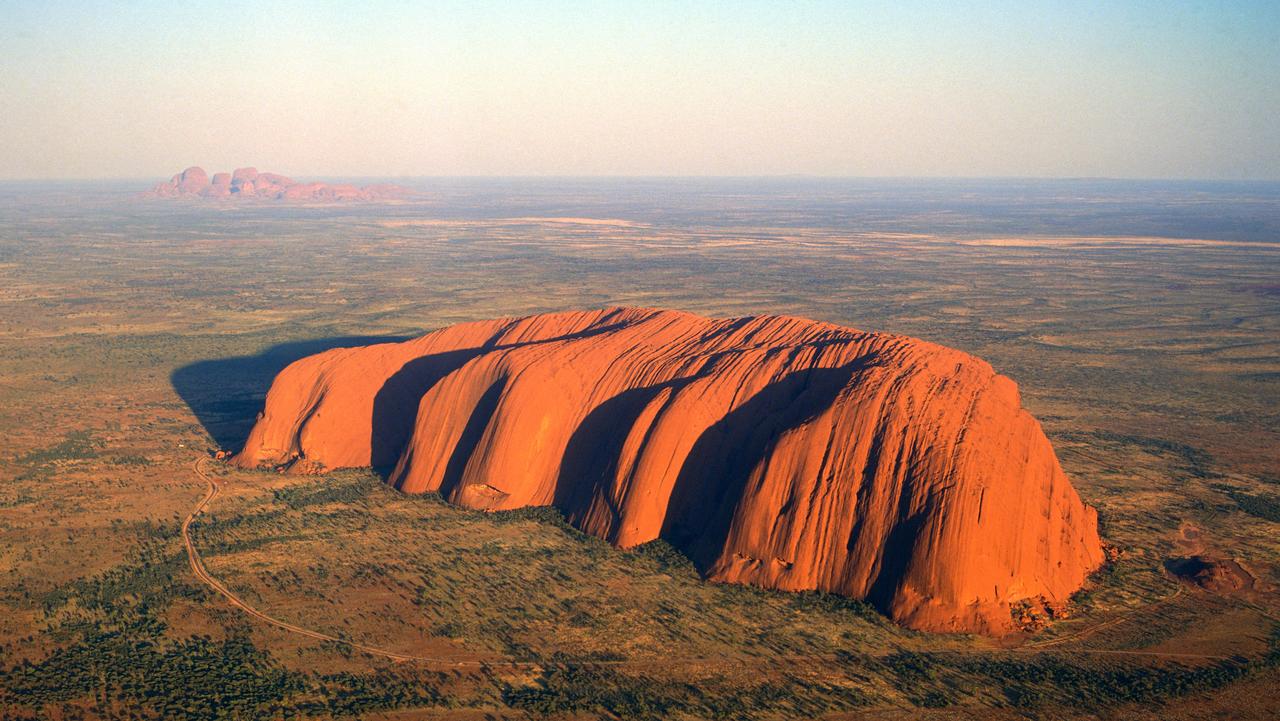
(197, 567)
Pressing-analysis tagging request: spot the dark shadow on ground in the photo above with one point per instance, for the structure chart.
(226, 394)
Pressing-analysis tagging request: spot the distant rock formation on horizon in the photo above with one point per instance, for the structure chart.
(249, 183)
(775, 451)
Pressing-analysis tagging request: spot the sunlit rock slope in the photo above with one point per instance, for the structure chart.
(774, 451)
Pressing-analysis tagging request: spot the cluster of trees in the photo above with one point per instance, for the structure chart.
(569, 689)
(335, 489)
(115, 657)
(1195, 461)
(195, 678)
(1264, 506)
(39, 464)
(76, 445)
(935, 679)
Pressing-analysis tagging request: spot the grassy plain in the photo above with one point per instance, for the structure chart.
(135, 336)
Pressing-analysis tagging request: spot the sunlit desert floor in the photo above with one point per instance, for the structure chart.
(137, 337)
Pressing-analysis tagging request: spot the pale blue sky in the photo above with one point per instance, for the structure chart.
(1138, 89)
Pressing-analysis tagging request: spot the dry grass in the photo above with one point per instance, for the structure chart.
(1152, 365)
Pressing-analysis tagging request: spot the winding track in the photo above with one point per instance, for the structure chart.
(197, 567)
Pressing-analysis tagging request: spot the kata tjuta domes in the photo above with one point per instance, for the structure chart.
(775, 451)
(249, 183)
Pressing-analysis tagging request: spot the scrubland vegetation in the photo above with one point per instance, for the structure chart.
(134, 338)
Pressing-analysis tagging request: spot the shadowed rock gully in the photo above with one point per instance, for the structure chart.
(395, 406)
(716, 471)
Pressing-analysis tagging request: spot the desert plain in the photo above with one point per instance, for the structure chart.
(138, 338)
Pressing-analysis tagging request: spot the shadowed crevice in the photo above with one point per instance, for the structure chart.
(713, 479)
(592, 455)
(395, 405)
(470, 438)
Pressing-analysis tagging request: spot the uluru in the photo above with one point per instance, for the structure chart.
(775, 451)
(194, 182)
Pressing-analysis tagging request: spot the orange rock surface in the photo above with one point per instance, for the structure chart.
(249, 183)
(774, 451)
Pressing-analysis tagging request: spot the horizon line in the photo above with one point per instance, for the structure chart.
(619, 176)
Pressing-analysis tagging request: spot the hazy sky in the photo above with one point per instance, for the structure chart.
(1137, 89)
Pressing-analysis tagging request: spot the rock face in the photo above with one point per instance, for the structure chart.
(773, 451)
(249, 183)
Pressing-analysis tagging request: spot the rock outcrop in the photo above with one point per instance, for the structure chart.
(1217, 575)
(249, 183)
(773, 451)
